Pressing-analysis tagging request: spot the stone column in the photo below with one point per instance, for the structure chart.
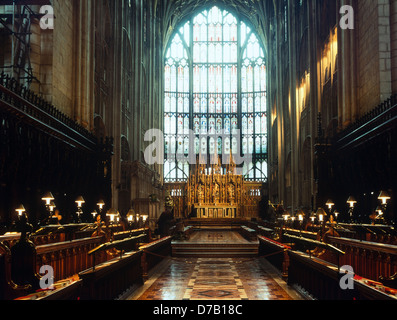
(393, 38)
(385, 53)
(346, 73)
(277, 79)
(314, 87)
(84, 63)
(116, 74)
(35, 54)
(295, 113)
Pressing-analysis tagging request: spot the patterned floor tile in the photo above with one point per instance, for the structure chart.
(215, 279)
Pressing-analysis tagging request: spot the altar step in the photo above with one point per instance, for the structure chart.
(222, 223)
(212, 238)
(196, 250)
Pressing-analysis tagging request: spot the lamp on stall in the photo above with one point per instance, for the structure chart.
(79, 202)
(322, 215)
(379, 211)
(101, 204)
(378, 216)
(130, 215)
(94, 214)
(112, 213)
(20, 210)
(330, 204)
(52, 206)
(313, 217)
(23, 225)
(384, 197)
(301, 216)
(144, 219)
(351, 202)
(48, 197)
(286, 216)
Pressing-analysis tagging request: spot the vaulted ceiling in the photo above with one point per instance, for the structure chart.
(174, 12)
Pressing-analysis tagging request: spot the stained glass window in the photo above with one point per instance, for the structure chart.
(215, 84)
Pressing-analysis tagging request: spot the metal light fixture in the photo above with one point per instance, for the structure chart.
(330, 204)
(20, 210)
(80, 201)
(352, 202)
(101, 204)
(321, 214)
(313, 216)
(131, 215)
(52, 206)
(380, 218)
(384, 197)
(112, 213)
(300, 215)
(48, 197)
(286, 216)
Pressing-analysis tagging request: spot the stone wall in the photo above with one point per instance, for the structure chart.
(365, 76)
(63, 55)
(373, 53)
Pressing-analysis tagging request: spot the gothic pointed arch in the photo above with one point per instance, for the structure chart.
(215, 86)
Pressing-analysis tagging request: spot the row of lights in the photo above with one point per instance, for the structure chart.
(383, 198)
(113, 214)
(351, 201)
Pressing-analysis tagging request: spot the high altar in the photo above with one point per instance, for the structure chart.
(215, 192)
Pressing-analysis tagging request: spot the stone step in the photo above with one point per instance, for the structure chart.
(230, 251)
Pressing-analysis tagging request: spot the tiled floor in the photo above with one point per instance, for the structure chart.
(215, 279)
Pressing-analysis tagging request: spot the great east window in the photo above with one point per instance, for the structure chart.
(215, 86)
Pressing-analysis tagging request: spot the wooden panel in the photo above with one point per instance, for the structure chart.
(112, 278)
(67, 258)
(368, 259)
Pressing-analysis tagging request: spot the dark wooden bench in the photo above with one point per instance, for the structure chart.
(67, 258)
(111, 279)
(370, 260)
(322, 280)
(119, 247)
(8, 289)
(276, 253)
(153, 253)
(266, 232)
(248, 233)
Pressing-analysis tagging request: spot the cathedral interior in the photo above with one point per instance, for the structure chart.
(198, 150)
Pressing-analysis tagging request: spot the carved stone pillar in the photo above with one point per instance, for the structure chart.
(347, 111)
(393, 42)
